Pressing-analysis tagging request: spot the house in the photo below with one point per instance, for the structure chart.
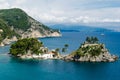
(46, 56)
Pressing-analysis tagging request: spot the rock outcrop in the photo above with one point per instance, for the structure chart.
(91, 52)
(38, 29)
(7, 41)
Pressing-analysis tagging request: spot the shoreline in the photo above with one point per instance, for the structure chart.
(61, 57)
(90, 51)
(11, 41)
(115, 58)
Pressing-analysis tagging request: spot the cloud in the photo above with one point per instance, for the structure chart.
(78, 17)
(4, 4)
(110, 20)
(68, 11)
(18, 2)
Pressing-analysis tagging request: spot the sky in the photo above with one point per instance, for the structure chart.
(68, 11)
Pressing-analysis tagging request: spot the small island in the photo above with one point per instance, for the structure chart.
(31, 48)
(91, 51)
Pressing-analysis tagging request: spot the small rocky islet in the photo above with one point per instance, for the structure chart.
(90, 51)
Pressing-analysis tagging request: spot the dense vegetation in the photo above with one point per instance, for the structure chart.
(91, 47)
(18, 19)
(6, 31)
(15, 17)
(15, 21)
(93, 50)
(23, 46)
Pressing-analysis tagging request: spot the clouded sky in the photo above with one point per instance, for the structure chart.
(68, 11)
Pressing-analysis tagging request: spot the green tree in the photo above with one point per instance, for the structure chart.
(22, 46)
(88, 39)
(92, 40)
(57, 50)
(96, 40)
(63, 50)
(66, 45)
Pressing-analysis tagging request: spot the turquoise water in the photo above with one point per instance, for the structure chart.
(15, 69)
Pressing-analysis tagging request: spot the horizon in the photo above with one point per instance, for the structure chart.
(95, 13)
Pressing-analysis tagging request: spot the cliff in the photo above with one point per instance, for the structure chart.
(20, 25)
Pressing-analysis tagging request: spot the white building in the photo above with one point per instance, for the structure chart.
(47, 56)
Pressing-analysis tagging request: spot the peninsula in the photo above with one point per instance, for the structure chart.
(16, 24)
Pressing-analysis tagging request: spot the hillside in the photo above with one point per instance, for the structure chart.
(6, 33)
(15, 17)
(15, 22)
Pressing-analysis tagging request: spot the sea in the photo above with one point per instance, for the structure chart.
(16, 69)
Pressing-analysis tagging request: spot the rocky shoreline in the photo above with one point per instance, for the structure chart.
(87, 52)
(100, 58)
(46, 56)
(106, 57)
(7, 41)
